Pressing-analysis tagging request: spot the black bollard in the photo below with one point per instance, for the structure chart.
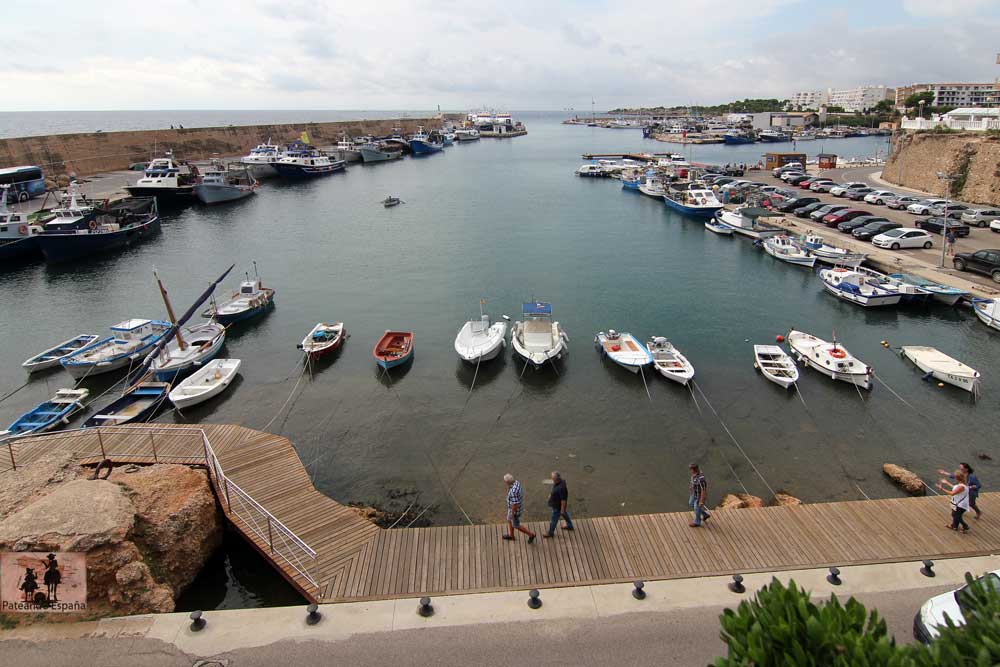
(197, 622)
(313, 616)
(928, 569)
(737, 584)
(637, 592)
(834, 576)
(425, 609)
(534, 601)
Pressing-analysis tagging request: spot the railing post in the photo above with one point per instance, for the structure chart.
(100, 441)
(10, 450)
(270, 540)
(225, 487)
(152, 443)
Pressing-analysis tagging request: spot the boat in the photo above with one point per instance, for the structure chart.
(225, 183)
(775, 365)
(669, 361)
(746, 221)
(988, 311)
(191, 347)
(421, 143)
(624, 349)
(829, 254)
(536, 338)
(448, 139)
(772, 136)
(389, 202)
(651, 186)
(481, 340)
(52, 356)
(715, 226)
(394, 348)
(949, 296)
(856, 287)
(373, 152)
(737, 137)
(592, 169)
(164, 180)
(260, 161)
(692, 198)
(348, 151)
(111, 227)
(300, 160)
(630, 182)
(18, 235)
(252, 299)
(466, 134)
(50, 414)
(210, 380)
(831, 359)
(907, 292)
(138, 404)
(125, 347)
(323, 339)
(938, 365)
(784, 248)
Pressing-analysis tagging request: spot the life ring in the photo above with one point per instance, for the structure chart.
(837, 353)
(93, 225)
(23, 230)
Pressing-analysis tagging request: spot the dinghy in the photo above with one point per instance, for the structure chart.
(623, 349)
(775, 365)
(130, 341)
(251, 300)
(829, 254)
(51, 414)
(830, 359)
(394, 348)
(941, 367)
(52, 356)
(783, 248)
(389, 202)
(138, 404)
(668, 360)
(323, 339)
(714, 226)
(479, 340)
(211, 380)
(988, 311)
(537, 339)
(857, 287)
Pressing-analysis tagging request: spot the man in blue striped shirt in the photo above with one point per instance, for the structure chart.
(515, 506)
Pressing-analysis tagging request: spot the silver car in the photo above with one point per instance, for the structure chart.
(980, 217)
(901, 201)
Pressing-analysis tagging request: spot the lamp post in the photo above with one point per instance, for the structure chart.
(946, 179)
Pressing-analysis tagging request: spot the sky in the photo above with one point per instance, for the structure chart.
(513, 54)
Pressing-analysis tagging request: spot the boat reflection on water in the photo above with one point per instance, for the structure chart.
(465, 372)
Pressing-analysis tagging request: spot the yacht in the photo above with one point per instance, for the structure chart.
(260, 161)
(164, 179)
(301, 160)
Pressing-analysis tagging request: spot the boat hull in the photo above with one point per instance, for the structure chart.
(260, 170)
(218, 194)
(183, 194)
(20, 250)
(372, 155)
(818, 357)
(386, 355)
(473, 349)
(172, 371)
(722, 230)
(789, 259)
(969, 383)
(51, 357)
(736, 141)
(68, 247)
(986, 314)
(860, 299)
(232, 318)
(227, 368)
(631, 359)
(137, 405)
(307, 171)
(693, 211)
(419, 147)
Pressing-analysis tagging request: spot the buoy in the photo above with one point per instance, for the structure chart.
(779, 338)
(746, 340)
(884, 343)
(940, 384)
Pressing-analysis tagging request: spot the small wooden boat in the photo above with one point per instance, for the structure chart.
(775, 365)
(783, 248)
(938, 365)
(323, 339)
(714, 226)
(857, 287)
(211, 380)
(193, 346)
(829, 254)
(389, 202)
(479, 340)
(394, 348)
(130, 341)
(624, 349)
(138, 404)
(831, 359)
(51, 414)
(251, 300)
(669, 362)
(988, 311)
(52, 356)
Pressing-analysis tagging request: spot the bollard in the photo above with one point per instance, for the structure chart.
(534, 601)
(313, 615)
(637, 592)
(834, 576)
(425, 609)
(197, 622)
(737, 584)
(928, 569)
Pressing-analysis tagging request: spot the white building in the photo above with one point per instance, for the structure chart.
(808, 99)
(975, 119)
(953, 94)
(862, 98)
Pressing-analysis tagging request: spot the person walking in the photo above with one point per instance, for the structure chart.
(558, 498)
(959, 492)
(972, 481)
(698, 491)
(949, 240)
(515, 506)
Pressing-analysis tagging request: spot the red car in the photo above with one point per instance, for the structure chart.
(806, 183)
(834, 219)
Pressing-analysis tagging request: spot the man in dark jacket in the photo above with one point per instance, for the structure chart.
(557, 501)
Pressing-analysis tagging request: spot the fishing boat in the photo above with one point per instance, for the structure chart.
(747, 222)
(373, 152)
(830, 359)
(126, 346)
(938, 365)
(593, 170)
(389, 202)
(111, 227)
(692, 198)
(630, 181)
(300, 160)
(52, 356)
(225, 183)
(448, 139)
(944, 294)
(856, 287)
(348, 151)
(466, 134)
(481, 340)
(138, 404)
(652, 187)
(421, 143)
(17, 233)
(323, 339)
(988, 311)
(50, 414)
(624, 349)
(908, 293)
(775, 365)
(829, 254)
(737, 137)
(191, 347)
(260, 161)
(772, 136)
(669, 361)
(252, 299)
(536, 338)
(714, 226)
(394, 348)
(785, 249)
(210, 380)
(164, 179)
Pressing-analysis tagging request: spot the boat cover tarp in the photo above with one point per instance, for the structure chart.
(536, 308)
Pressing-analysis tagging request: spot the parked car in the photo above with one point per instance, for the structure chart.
(785, 175)
(795, 180)
(923, 207)
(791, 166)
(858, 222)
(725, 180)
(952, 208)
(805, 211)
(798, 202)
(952, 605)
(903, 237)
(874, 228)
(769, 189)
(857, 194)
(834, 219)
(823, 211)
(902, 201)
(825, 187)
(879, 197)
(995, 226)
(817, 184)
(981, 261)
(936, 225)
(842, 189)
(980, 217)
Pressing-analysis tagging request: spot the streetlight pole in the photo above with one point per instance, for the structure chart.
(946, 179)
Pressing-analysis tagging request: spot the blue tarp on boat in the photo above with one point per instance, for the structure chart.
(536, 308)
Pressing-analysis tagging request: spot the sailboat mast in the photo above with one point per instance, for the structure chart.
(170, 310)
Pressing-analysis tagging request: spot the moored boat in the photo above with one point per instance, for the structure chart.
(944, 294)
(988, 311)
(785, 249)
(125, 347)
(713, 225)
(692, 198)
(624, 349)
(260, 161)
(300, 160)
(536, 338)
(856, 287)
(323, 339)
(50, 414)
(394, 348)
(829, 254)
(466, 134)
(830, 359)
(935, 363)
(390, 201)
(52, 356)
(422, 144)
(908, 293)
(210, 380)
(225, 183)
(348, 151)
(252, 299)
(481, 340)
(138, 404)
(775, 365)
(18, 235)
(164, 179)
(737, 137)
(378, 153)
(669, 362)
(191, 347)
(112, 227)
(746, 221)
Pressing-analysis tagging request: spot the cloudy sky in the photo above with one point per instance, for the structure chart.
(417, 54)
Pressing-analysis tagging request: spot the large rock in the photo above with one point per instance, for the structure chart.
(28, 483)
(905, 479)
(782, 499)
(738, 501)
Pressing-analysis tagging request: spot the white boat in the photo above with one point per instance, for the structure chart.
(784, 248)
(593, 170)
(258, 162)
(668, 360)
(323, 339)
(624, 349)
(941, 367)
(466, 134)
(129, 343)
(480, 340)
(211, 380)
(717, 227)
(652, 187)
(831, 359)
(988, 311)
(164, 179)
(856, 287)
(52, 356)
(832, 254)
(537, 339)
(193, 346)
(747, 222)
(775, 365)
(692, 198)
(908, 293)
(944, 294)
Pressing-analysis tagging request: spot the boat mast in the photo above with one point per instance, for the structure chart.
(170, 310)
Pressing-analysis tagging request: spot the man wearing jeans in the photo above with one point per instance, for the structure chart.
(698, 489)
(557, 501)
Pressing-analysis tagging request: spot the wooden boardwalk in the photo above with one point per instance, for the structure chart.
(355, 560)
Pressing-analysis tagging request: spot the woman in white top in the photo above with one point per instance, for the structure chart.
(959, 492)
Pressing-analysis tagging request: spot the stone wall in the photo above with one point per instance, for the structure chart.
(973, 158)
(97, 152)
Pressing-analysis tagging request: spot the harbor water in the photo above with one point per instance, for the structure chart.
(508, 221)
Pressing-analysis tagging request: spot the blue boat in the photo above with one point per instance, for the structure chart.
(110, 227)
(631, 183)
(251, 300)
(736, 137)
(300, 160)
(50, 414)
(138, 404)
(130, 341)
(694, 199)
(421, 144)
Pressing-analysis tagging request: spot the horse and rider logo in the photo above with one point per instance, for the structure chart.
(46, 582)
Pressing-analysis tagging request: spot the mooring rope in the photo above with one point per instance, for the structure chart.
(893, 392)
(296, 386)
(11, 393)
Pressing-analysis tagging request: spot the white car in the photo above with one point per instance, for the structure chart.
(791, 166)
(879, 197)
(955, 603)
(995, 226)
(785, 175)
(924, 207)
(903, 237)
(981, 217)
(843, 188)
(815, 185)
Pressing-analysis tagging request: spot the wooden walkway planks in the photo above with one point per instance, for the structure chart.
(358, 561)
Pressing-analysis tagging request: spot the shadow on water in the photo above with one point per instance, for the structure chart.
(541, 381)
(389, 377)
(488, 372)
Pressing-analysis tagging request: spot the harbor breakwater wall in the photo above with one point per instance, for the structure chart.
(96, 152)
(972, 158)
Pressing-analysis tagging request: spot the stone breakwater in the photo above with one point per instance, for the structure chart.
(98, 152)
(973, 159)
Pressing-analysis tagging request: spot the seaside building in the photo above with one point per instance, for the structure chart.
(784, 119)
(861, 98)
(953, 94)
(975, 119)
(808, 99)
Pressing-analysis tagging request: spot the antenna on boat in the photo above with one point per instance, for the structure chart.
(170, 310)
(256, 273)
